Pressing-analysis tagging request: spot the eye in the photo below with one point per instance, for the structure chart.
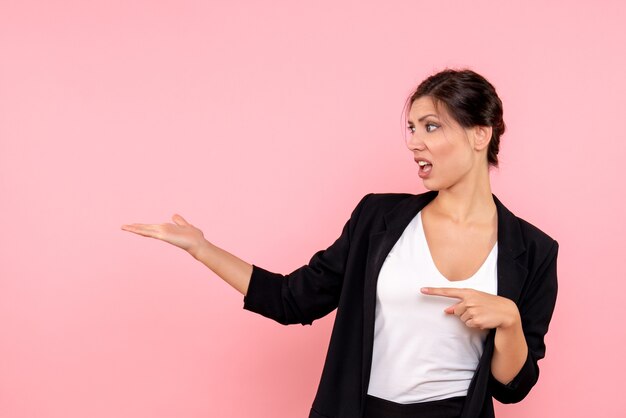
(430, 124)
(411, 128)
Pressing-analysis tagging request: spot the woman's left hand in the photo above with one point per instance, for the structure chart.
(478, 309)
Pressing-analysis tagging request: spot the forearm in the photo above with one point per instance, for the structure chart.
(230, 268)
(510, 353)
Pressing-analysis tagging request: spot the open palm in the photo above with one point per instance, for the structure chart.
(181, 233)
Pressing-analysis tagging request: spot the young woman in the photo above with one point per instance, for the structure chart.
(443, 298)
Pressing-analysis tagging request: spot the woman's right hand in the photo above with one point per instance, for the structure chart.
(181, 233)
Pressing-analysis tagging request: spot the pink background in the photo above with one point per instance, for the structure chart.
(264, 126)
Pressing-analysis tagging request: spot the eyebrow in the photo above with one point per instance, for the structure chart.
(423, 117)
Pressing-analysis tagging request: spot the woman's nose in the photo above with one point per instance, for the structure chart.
(414, 142)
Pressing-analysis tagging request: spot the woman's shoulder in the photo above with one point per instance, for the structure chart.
(539, 245)
(532, 231)
(529, 230)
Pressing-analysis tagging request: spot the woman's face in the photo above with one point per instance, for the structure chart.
(450, 149)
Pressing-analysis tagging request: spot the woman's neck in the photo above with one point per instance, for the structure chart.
(468, 201)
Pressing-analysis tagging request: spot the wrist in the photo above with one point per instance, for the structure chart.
(197, 250)
(513, 321)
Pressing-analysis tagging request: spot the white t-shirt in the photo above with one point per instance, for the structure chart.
(420, 352)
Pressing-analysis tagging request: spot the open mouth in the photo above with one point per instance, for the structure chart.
(425, 167)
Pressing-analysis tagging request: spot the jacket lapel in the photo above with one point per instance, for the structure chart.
(511, 273)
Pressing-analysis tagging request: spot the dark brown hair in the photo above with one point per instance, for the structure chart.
(469, 98)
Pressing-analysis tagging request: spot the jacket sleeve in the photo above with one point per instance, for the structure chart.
(536, 312)
(309, 292)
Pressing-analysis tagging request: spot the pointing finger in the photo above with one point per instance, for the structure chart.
(450, 292)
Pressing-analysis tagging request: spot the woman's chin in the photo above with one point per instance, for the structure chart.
(430, 185)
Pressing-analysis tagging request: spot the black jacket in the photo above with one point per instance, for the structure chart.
(344, 276)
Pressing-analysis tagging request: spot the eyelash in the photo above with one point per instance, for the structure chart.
(428, 124)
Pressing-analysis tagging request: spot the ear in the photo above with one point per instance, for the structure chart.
(482, 136)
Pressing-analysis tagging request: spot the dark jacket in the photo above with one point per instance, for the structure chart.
(344, 276)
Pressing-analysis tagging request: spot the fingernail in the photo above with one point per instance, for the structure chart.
(424, 289)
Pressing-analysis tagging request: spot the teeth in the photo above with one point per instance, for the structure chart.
(422, 163)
